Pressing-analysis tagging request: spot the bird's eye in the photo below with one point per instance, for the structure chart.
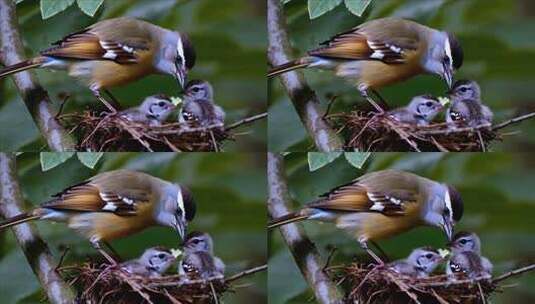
(161, 104)
(196, 241)
(464, 89)
(196, 89)
(429, 255)
(463, 241)
(161, 256)
(429, 104)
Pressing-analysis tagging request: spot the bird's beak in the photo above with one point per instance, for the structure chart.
(181, 76)
(448, 229)
(448, 76)
(180, 227)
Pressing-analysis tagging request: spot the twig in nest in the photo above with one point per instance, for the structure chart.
(109, 284)
(381, 285)
(376, 132)
(114, 133)
(367, 131)
(245, 121)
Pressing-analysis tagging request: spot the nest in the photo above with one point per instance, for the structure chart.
(377, 284)
(369, 131)
(108, 284)
(114, 133)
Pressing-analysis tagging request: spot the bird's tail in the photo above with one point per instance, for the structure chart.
(289, 218)
(290, 66)
(18, 219)
(22, 66)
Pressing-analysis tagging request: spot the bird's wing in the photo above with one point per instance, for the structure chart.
(356, 197)
(100, 42)
(366, 43)
(88, 197)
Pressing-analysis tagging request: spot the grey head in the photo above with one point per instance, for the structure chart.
(176, 55)
(199, 89)
(198, 242)
(176, 207)
(444, 208)
(444, 55)
(157, 107)
(425, 106)
(424, 259)
(465, 89)
(157, 259)
(465, 241)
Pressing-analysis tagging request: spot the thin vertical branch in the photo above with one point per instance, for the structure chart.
(34, 248)
(34, 96)
(304, 99)
(305, 253)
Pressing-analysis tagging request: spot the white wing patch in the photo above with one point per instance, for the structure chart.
(447, 49)
(180, 201)
(381, 50)
(114, 50)
(110, 207)
(180, 49)
(447, 200)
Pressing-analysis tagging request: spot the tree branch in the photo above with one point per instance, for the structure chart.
(245, 121)
(246, 273)
(34, 96)
(34, 248)
(512, 273)
(303, 250)
(303, 98)
(513, 121)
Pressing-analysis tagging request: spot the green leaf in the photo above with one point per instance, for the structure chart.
(357, 7)
(50, 160)
(317, 160)
(50, 8)
(89, 7)
(89, 159)
(357, 159)
(317, 8)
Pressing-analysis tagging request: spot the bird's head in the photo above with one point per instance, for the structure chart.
(465, 89)
(426, 106)
(198, 242)
(176, 209)
(425, 259)
(157, 106)
(158, 259)
(177, 56)
(444, 56)
(465, 241)
(443, 209)
(199, 89)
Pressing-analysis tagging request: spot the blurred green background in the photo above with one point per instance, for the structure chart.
(229, 36)
(497, 39)
(497, 190)
(230, 202)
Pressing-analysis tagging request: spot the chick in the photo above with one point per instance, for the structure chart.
(153, 111)
(420, 111)
(419, 264)
(466, 257)
(466, 105)
(199, 106)
(153, 263)
(199, 260)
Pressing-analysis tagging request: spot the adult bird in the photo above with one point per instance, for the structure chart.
(116, 52)
(382, 52)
